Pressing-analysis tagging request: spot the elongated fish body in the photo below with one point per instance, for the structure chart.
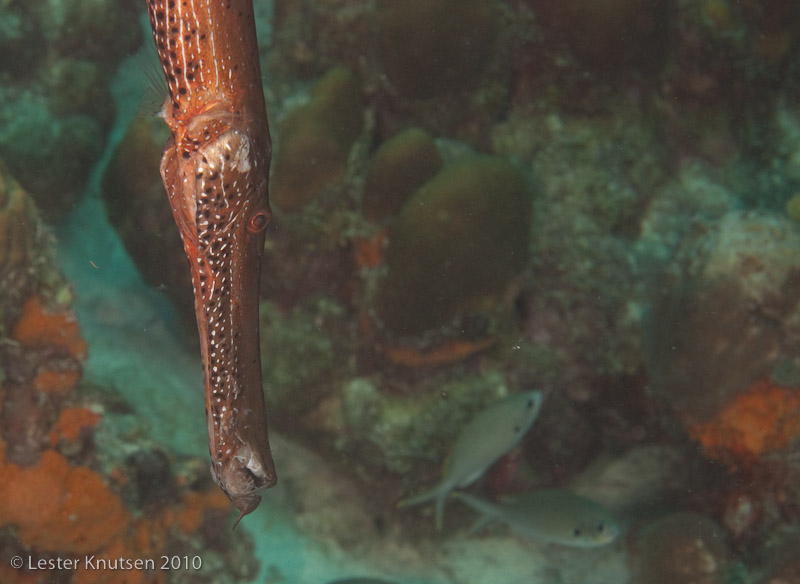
(215, 168)
(488, 436)
(549, 515)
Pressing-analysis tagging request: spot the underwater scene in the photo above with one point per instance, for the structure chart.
(524, 306)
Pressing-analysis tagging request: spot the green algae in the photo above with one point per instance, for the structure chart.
(455, 245)
(399, 166)
(314, 141)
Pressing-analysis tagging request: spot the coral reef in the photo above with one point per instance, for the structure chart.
(398, 167)
(313, 334)
(734, 290)
(720, 342)
(752, 468)
(685, 547)
(473, 198)
(57, 499)
(783, 565)
(775, 28)
(314, 141)
(727, 64)
(310, 37)
(436, 46)
(609, 34)
(20, 224)
(591, 198)
(465, 87)
(793, 208)
(55, 345)
(455, 245)
(37, 328)
(64, 494)
(763, 419)
(57, 507)
(72, 426)
(378, 430)
(56, 104)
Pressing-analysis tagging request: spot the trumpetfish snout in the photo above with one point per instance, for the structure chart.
(215, 168)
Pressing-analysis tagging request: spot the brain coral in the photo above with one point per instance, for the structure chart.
(399, 166)
(455, 244)
(314, 141)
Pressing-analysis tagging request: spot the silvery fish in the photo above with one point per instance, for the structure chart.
(549, 515)
(486, 438)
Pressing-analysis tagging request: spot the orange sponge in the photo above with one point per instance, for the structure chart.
(36, 328)
(61, 508)
(70, 424)
(765, 418)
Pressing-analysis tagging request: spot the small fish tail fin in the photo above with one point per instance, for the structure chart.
(439, 509)
(424, 497)
(437, 494)
(480, 524)
(479, 505)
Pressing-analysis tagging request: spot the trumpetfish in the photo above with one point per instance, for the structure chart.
(215, 168)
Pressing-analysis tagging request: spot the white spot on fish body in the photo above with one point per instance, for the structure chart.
(241, 159)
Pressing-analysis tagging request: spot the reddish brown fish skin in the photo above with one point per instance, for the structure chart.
(215, 168)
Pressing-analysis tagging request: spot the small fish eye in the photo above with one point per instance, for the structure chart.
(601, 528)
(529, 404)
(577, 532)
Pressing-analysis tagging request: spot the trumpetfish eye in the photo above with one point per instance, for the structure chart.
(258, 222)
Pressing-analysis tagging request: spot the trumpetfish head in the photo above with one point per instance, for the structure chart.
(216, 178)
